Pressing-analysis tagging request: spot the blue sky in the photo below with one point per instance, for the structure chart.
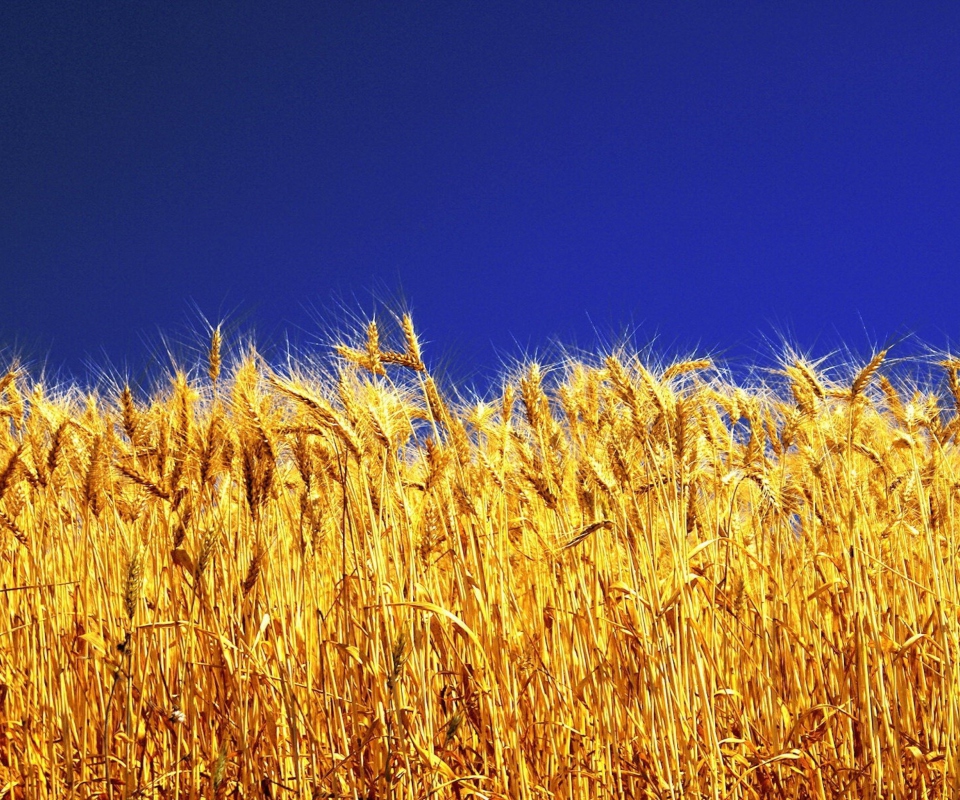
(705, 173)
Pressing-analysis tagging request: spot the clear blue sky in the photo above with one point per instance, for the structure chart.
(709, 172)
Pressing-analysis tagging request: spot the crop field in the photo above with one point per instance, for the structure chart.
(615, 579)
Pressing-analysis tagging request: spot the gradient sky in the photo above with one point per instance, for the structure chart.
(707, 173)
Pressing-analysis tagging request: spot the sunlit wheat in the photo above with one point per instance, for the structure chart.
(616, 579)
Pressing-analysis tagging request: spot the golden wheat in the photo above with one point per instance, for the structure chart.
(347, 585)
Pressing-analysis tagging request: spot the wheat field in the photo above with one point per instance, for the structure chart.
(616, 579)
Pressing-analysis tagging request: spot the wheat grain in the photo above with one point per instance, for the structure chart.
(864, 376)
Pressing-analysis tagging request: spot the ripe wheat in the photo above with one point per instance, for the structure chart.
(637, 583)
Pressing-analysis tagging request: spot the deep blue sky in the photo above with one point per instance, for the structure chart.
(709, 172)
